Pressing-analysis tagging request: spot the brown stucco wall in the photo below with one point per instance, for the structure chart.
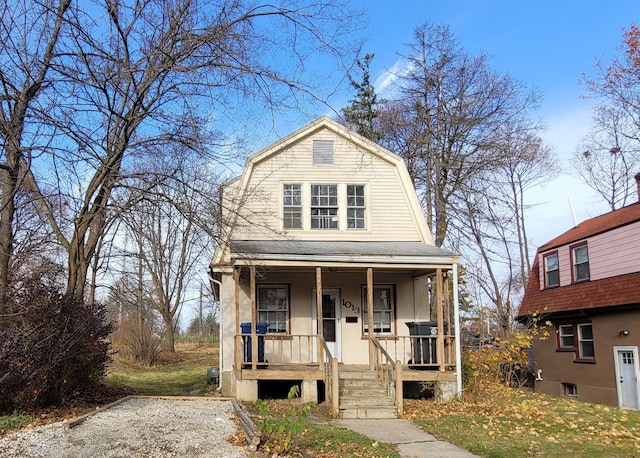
(596, 382)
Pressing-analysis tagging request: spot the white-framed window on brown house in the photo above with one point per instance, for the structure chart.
(551, 270)
(356, 207)
(383, 309)
(586, 349)
(292, 206)
(580, 263)
(577, 338)
(272, 302)
(566, 340)
(324, 206)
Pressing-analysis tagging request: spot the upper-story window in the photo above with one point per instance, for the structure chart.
(292, 206)
(324, 206)
(580, 261)
(551, 270)
(355, 207)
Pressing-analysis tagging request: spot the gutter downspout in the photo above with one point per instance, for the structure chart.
(456, 319)
(220, 353)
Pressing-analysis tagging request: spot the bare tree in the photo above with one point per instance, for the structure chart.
(490, 226)
(143, 75)
(172, 245)
(607, 158)
(29, 35)
(457, 105)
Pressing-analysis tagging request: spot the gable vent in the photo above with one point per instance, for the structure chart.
(322, 152)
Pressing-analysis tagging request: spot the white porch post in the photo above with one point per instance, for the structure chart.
(254, 320)
(372, 355)
(456, 320)
(319, 327)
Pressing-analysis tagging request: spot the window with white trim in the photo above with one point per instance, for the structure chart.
(355, 207)
(292, 206)
(551, 270)
(580, 260)
(383, 309)
(586, 348)
(323, 152)
(324, 206)
(273, 307)
(565, 336)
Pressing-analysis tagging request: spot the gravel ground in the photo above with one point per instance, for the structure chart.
(135, 428)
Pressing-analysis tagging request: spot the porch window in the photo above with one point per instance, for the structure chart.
(355, 207)
(324, 206)
(273, 307)
(551, 270)
(383, 309)
(580, 261)
(292, 206)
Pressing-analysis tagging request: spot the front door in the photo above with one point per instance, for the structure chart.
(626, 359)
(330, 324)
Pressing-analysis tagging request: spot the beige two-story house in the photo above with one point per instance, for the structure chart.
(329, 277)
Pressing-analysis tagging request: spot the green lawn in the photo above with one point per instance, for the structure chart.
(510, 423)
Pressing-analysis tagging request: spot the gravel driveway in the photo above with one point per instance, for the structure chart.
(138, 427)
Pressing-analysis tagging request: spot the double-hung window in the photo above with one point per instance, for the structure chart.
(324, 206)
(292, 206)
(580, 261)
(273, 306)
(578, 338)
(586, 349)
(383, 309)
(551, 270)
(565, 337)
(355, 207)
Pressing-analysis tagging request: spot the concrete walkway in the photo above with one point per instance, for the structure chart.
(409, 440)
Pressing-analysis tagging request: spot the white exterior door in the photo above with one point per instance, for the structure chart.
(626, 362)
(330, 325)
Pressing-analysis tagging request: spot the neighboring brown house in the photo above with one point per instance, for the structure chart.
(327, 245)
(586, 282)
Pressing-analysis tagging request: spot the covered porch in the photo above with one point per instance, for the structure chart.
(314, 350)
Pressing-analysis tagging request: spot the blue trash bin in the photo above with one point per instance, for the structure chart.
(261, 330)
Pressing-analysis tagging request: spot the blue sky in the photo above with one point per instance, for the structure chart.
(546, 44)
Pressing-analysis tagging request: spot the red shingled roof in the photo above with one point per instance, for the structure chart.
(608, 292)
(597, 225)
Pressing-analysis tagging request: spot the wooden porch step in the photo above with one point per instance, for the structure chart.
(363, 395)
(369, 412)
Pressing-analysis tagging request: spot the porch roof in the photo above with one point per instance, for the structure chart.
(355, 252)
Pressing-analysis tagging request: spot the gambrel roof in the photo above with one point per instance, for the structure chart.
(614, 291)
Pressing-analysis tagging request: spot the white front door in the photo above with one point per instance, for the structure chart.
(626, 362)
(330, 324)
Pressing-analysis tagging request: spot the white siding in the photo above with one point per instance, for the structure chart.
(388, 211)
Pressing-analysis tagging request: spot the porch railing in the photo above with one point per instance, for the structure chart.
(422, 351)
(390, 372)
(285, 350)
(331, 379)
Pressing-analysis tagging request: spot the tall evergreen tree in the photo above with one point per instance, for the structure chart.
(362, 113)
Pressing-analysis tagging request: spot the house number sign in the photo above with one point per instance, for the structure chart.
(349, 305)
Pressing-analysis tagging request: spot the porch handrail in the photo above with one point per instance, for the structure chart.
(390, 372)
(331, 378)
